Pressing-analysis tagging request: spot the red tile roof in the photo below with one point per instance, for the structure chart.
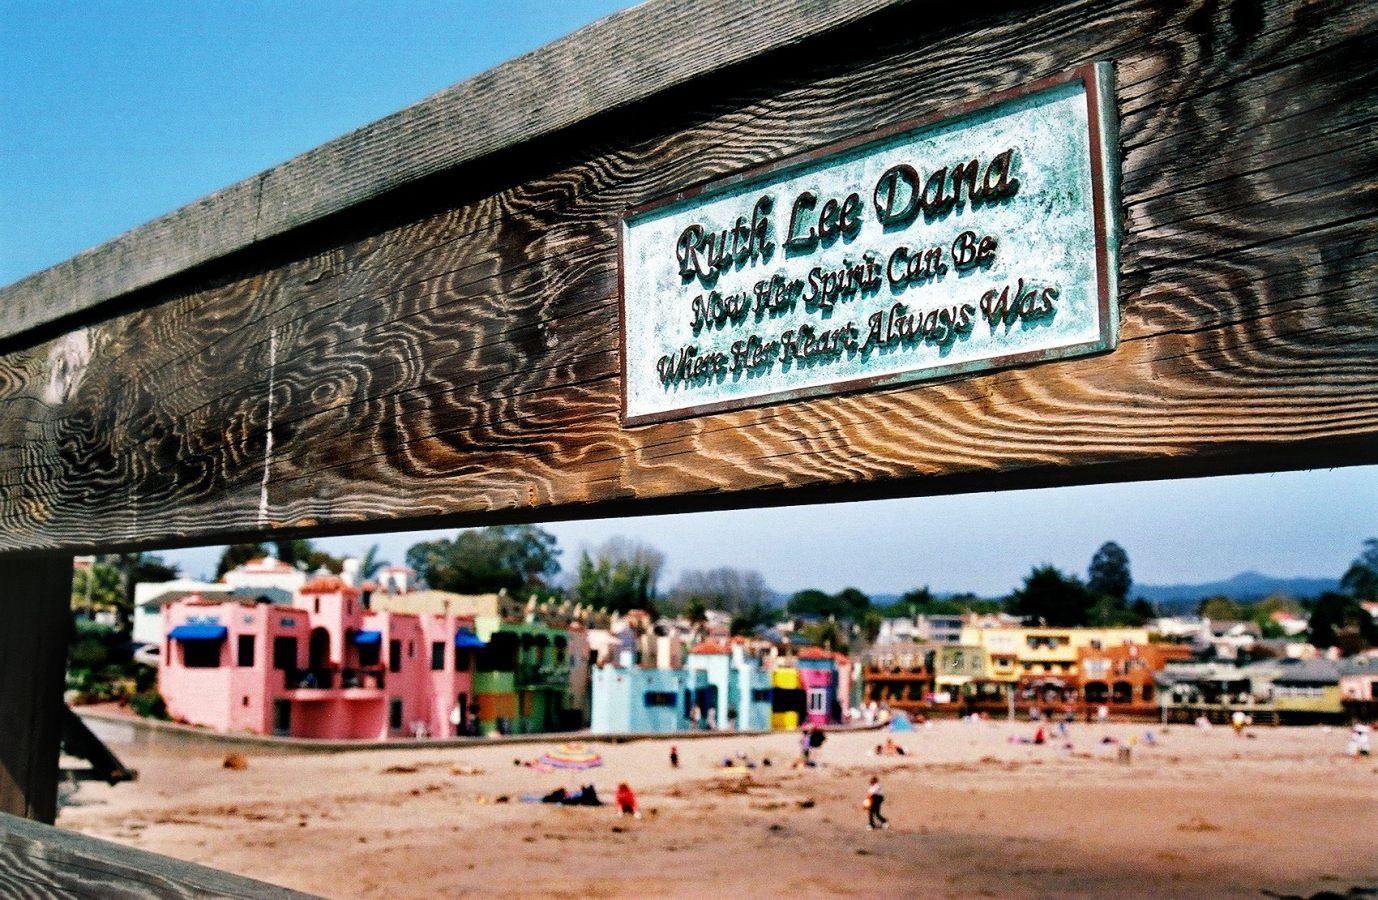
(326, 584)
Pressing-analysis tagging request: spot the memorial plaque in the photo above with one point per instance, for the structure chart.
(980, 238)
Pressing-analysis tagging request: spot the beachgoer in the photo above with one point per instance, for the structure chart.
(875, 796)
(816, 739)
(674, 757)
(1103, 714)
(1039, 736)
(804, 745)
(712, 720)
(626, 801)
(1238, 721)
(1358, 740)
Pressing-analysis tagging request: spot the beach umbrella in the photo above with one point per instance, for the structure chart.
(901, 723)
(571, 756)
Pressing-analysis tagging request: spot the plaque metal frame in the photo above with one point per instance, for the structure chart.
(1097, 79)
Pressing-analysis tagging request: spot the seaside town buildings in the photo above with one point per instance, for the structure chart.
(380, 659)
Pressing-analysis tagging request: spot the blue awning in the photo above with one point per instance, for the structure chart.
(368, 637)
(467, 639)
(198, 633)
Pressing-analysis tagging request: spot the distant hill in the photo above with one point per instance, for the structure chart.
(1245, 587)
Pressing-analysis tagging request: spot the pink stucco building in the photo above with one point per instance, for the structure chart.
(324, 667)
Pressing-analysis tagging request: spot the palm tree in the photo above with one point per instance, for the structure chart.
(371, 565)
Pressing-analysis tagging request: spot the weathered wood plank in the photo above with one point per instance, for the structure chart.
(39, 861)
(463, 365)
(35, 600)
(657, 46)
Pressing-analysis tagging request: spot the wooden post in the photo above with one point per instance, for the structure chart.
(35, 599)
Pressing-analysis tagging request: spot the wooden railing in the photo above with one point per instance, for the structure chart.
(39, 860)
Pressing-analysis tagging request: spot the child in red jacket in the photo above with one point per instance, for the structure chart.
(626, 801)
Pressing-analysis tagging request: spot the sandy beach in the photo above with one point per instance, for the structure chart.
(1194, 814)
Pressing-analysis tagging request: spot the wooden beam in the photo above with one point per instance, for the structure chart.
(458, 363)
(645, 50)
(39, 861)
(35, 600)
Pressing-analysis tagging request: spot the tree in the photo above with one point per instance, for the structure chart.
(1108, 575)
(828, 635)
(746, 621)
(697, 614)
(304, 555)
(727, 589)
(1339, 621)
(854, 603)
(848, 603)
(1361, 579)
(811, 602)
(619, 576)
(871, 621)
(237, 555)
(371, 564)
(1050, 597)
(1220, 608)
(97, 587)
(515, 558)
(134, 568)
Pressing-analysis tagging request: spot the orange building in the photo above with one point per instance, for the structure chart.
(1121, 677)
(900, 677)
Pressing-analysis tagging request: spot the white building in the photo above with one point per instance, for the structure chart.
(266, 572)
(151, 596)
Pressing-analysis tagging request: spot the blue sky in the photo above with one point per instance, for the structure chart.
(113, 114)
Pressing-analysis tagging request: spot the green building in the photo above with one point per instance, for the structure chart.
(521, 679)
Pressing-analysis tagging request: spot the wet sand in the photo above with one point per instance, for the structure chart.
(1199, 814)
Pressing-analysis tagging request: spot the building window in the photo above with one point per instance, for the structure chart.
(284, 653)
(463, 660)
(395, 715)
(437, 655)
(244, 658)
(318, 604)
(244, 701)
(660, 698)
(818, 701)
(394, 656)
(411, 649)
(201, 654)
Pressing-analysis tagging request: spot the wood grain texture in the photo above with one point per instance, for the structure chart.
(644, 51)
(35, 596)
(37, 861)
(455, 358)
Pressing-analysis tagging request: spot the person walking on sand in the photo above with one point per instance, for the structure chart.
(674, 757)
(875, 796)
(626, 801)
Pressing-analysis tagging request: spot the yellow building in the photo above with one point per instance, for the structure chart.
(1019, 654)
(787, 699)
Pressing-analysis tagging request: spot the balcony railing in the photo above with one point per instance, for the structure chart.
(547, 675)
(329, 679)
